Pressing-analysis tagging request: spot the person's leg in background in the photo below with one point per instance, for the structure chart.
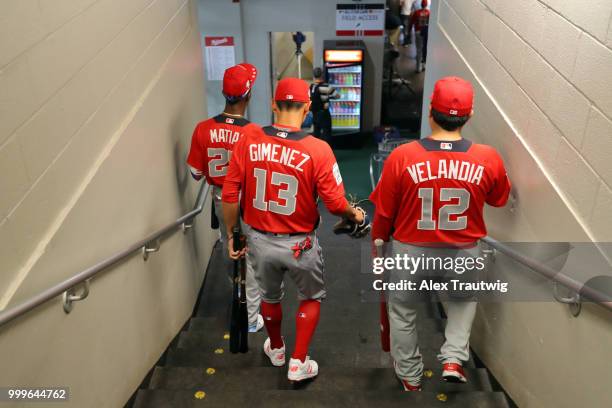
(425, 36)
(419, 51)
(253, 297)
(316, 124)
(252, 287)
(326, 125)
(406, 23)
(394, 36)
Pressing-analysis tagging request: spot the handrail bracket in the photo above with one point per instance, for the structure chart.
(71, 296)
(187, 225)
(573, 300)
(150, 247)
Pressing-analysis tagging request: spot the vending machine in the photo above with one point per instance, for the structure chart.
(344, 70)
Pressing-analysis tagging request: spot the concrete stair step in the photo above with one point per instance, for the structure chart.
(329, 379)
(361, 355)
(315, 399)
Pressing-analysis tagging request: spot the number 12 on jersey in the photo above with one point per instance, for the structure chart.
(287, 194)
(446, 211)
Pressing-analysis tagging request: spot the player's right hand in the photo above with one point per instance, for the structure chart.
(235, 255)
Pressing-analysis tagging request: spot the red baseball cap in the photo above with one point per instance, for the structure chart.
(252, 70)
(453, 96)
(238, 80)
(292, 90)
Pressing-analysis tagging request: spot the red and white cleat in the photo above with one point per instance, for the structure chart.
(453, 372)
(410, 387)
(299, 371)
(276, 356)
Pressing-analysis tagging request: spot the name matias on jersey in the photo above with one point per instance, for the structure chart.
(447, 169)
(284, 155)
(224, 136)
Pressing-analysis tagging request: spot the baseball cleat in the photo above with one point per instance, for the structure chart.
(257, 326)
(453, 372)
(299, 371)
(408, 386)
(276, 356)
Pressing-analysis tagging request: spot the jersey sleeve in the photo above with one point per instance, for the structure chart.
(385, 196)
(235, 172)
(329, 181)
(498, 195)
(196, 159)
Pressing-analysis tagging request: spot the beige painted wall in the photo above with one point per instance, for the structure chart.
(542, 72)
(98, 101)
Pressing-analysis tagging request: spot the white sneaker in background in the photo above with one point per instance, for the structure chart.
(299, 371)
(276, 356)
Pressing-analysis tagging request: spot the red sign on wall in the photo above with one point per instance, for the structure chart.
(218, 41)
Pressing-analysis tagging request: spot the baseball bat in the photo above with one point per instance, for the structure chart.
(235, 313)
(214, 220)
(385, 335)
(243, 319)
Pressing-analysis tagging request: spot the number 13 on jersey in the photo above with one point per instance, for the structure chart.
(287, 192)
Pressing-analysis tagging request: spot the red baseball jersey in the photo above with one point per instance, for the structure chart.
(434, 191)
(420, 19)
(278, 173)
(211, 146)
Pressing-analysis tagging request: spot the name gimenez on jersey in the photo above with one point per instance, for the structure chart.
(224, 136)
(271, 152)
(447, 169)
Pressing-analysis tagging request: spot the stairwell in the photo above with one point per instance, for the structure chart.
(198, 370)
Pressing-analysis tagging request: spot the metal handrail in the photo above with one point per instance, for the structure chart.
(83, 276)
(575, 286)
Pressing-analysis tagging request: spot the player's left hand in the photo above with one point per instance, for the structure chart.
(355, 229)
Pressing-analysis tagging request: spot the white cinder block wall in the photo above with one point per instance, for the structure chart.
(98, 99)
(548, 65)
(542, 72)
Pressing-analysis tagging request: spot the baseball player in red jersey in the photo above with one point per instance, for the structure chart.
(429, 203)
(420, 20)
(277, 173)
(211, 148)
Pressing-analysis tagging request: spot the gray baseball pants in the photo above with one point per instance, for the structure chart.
(402, 310)
(271, 256)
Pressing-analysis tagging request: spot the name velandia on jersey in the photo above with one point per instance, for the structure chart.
(446, 169)
(271, 152)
